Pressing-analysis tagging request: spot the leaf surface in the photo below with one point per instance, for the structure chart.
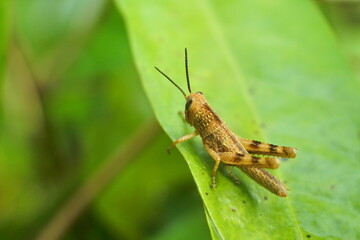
(273, 71)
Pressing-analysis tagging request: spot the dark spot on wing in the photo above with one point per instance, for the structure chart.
(255, 159)
(240, 154)
(238, 157)
(255, 144)
(221, 146)
(215, 143)
(273, 148)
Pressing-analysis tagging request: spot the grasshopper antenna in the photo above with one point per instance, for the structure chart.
(182, 91)
(187, 71)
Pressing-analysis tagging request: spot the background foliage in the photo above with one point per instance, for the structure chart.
(73, 112)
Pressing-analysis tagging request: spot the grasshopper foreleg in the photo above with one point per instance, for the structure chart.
(182, 139)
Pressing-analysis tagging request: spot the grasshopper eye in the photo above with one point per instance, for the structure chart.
(188, 104)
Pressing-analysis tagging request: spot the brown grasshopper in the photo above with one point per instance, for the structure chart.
(224, 146)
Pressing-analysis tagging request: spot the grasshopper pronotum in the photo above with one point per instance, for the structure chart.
(224, 146)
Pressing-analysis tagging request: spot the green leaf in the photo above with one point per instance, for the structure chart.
(4, 32)
(36, 49)
(269, 68)
(344, 20)
(88, 112)
(186, 226)
(54, 38)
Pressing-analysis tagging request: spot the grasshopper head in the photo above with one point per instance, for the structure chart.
(194, 102)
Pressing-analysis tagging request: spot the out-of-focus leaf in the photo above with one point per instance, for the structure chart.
(26, 196)
(91, 109)
(344, 17)
(186, 226)
(3, 36)
(107, 118)
(100, 96)
(53, 33)
(143, 192)
(267, 70)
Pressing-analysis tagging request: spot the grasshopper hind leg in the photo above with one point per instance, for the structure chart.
(233, 176)
(239, 160)
(256, 147)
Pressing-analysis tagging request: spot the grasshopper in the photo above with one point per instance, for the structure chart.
(224, 146)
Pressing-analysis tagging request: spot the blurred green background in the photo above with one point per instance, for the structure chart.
(72, 116)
